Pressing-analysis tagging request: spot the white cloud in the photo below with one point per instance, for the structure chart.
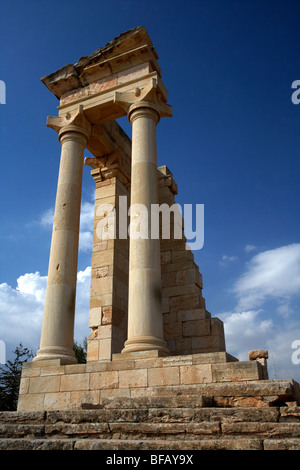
(245, 331)
(273, 274)
(249, 248)
(21, 309)
(47, 217)
(226, 260)
(33, 284)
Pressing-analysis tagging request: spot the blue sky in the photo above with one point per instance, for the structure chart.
(232, 144)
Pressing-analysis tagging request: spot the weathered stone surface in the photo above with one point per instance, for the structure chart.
(282, 444)
(36, 444)
(291, 414)
(257, 354)
(174, 423)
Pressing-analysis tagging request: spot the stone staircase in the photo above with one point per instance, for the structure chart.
(179, 423)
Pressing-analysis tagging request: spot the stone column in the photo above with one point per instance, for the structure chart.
(58, 320)
(145, 325)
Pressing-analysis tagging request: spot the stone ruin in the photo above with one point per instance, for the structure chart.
(152, 339)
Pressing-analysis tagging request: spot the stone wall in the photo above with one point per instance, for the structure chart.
(188, 326)
(49, 385)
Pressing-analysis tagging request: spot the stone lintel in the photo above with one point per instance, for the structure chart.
(129, 49)
(103, 104)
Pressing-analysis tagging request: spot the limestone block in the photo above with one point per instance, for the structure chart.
(57, 401)
(90, 396)
(133, 378)
(213, 357)
(163, 376)
(121, 365)
(112, 315)
(100, 286)
(74, 369)
(172, 330)
(133, 73)
(44, 384)
(234, 371)
(196, 328)
(72, 382)
(182, 255)
(93, 351)
(168, 280)
(105, 332)
(190, 315)
(166, 257)
(102, 366)
(99, 245)
(196, 374)
(31, 402)
(115, 393)
(180, 290)
(104, 192)
(185, 302)
(104, 380)
(183, 345)
(170, 318)
(257, 354)
(149, 363)
(165, 304)
(24, 385)
(183, 264)
(105, 349)
(100, 272)
(102, 258)
(208, 343)
(95, 315)
(188, 276)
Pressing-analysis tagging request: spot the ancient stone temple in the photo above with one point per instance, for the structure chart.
(157, 367)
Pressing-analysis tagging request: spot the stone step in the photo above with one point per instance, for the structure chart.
(144, 445)
(138, 445)
(153, 414)
(158, 415)
(152, 430)
(227, 394)
(159, 428)
(169, 445)
(186, 401)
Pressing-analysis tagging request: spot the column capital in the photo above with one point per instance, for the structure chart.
(148, 97)
(70, 123)
(110, 166)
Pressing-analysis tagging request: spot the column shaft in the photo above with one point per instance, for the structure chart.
(58, 320)
(145, 327)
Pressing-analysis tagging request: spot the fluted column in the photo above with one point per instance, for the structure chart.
(58, 320)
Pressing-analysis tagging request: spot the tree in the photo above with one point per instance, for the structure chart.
(10, 377)
(80, 351)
